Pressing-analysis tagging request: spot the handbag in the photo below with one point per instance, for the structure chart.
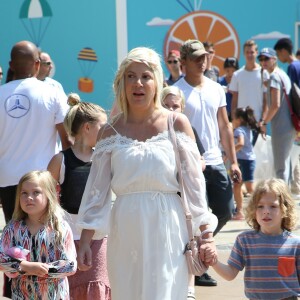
(191, 251)
(294, 117)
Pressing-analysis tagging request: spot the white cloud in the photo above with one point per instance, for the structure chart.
(156, 21)
(274, 35)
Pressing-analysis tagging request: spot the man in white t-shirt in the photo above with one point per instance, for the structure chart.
(206, 109)
(247, 86)
(31, 114)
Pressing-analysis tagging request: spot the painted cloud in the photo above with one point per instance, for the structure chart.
(156, 21)
(274, 35)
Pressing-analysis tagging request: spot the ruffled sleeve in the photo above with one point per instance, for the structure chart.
(194, 183)
(95, 209)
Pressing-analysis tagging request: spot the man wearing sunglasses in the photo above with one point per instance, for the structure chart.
(46, 66)
(174, 67)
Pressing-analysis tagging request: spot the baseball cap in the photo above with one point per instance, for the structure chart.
(267, 52)
(192, 49)
(174, 52)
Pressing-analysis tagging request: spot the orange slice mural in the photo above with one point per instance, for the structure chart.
(204, 26)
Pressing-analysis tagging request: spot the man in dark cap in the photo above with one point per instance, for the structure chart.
(206, 110)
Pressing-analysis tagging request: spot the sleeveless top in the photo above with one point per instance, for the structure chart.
(76, 175)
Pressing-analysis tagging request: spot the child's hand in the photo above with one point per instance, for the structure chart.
(34, 268)
(208, 253)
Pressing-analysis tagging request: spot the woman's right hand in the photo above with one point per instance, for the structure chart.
(84, 257)
(84, 254)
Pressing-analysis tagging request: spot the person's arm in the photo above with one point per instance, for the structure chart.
(55, 165)
(194, 186)
(84, 254)
(234, 102)
(65, 141)
(228, 272)
(226, 136)
(95, 208)
(240, 142)
(66, 263)
(275, 105)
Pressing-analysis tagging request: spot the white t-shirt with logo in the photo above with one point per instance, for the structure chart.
(250, 88)
(201, 108)
(30, 110)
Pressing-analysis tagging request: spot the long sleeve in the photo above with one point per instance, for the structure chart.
(194, 183)
(66, 265)
(95, 208)
(7, 263)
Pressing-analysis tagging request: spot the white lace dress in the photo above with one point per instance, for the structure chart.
(146, 227)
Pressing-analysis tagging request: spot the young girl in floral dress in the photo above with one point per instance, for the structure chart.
(38, 226)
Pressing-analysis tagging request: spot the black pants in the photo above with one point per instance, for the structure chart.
(7, 196)
(219, 193)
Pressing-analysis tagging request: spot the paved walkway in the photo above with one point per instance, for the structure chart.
(225, 290)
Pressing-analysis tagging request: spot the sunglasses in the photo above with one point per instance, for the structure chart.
(173, 62)
(264, 59)
(1, 73)
(46, 63)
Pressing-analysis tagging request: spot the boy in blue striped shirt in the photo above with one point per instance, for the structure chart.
(270, 253)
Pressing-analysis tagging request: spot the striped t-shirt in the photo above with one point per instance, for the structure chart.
(272, 264)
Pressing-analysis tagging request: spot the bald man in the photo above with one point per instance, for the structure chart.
(45, 68)
(31, 114)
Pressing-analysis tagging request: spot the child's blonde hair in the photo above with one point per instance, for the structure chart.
(80, 113)
(287, 205)
(173, 90)
(54, 214)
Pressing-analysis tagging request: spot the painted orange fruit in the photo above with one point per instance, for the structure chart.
(204, 26)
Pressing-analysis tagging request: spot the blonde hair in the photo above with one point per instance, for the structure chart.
(287, 205)
(54, 214)
(148, 57)
(80, 113)
(173, 90)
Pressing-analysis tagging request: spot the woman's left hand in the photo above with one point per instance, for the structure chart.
(208, 253)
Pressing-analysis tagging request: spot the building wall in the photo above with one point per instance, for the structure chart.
(75, 25)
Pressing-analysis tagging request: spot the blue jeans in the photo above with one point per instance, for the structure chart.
(219, 193)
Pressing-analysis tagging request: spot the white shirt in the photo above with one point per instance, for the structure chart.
(250, 88)
(30, 110)
(201, 108)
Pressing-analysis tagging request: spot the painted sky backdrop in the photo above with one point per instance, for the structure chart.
(75, 25)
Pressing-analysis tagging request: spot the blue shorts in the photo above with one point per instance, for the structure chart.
(247, 168)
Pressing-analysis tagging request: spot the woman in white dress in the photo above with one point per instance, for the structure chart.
(134, 158)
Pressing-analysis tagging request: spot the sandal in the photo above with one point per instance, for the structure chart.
(238, 217)
(191, 296)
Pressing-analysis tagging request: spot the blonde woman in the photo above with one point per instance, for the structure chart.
(134, 158)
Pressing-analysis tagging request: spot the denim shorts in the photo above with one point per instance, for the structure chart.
(247, 168)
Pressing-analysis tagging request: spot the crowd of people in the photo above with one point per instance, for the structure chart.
(97, 212)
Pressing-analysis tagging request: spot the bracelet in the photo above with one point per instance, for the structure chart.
(211, 240)
(265, 124)
(206, 231)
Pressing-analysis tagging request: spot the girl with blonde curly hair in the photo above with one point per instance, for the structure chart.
(270, 253)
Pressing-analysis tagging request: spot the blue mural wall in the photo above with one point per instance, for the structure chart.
(75, 25)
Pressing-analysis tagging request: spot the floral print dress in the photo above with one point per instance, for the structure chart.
(42, 247)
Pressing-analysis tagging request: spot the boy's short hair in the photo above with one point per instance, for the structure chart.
(284, 43)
